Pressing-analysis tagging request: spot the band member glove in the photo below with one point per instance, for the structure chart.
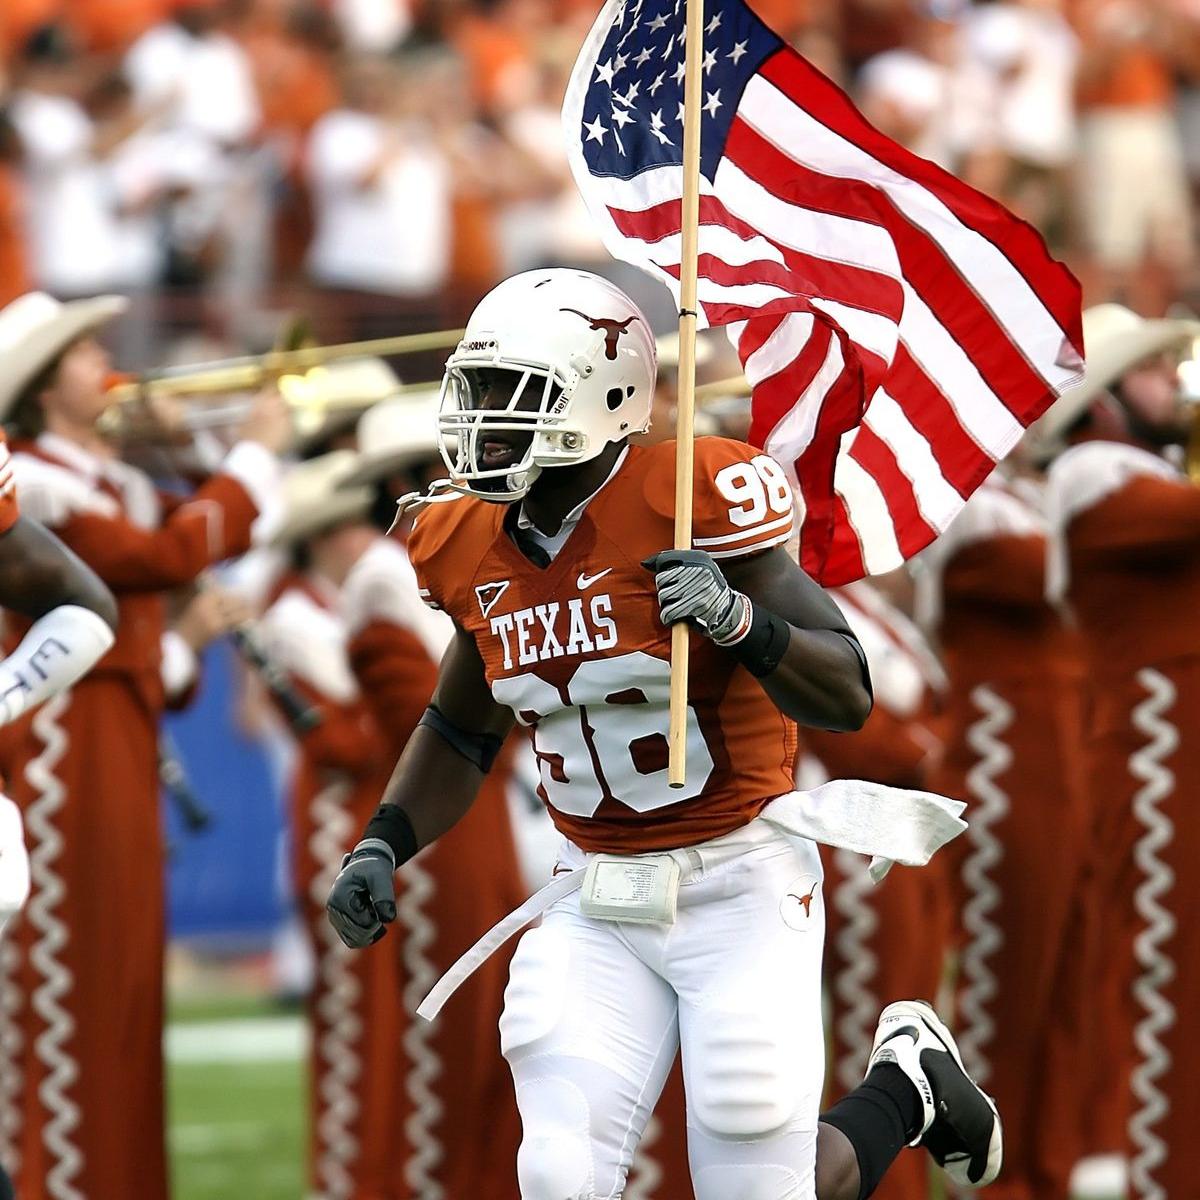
(691, 588)
(362, 901)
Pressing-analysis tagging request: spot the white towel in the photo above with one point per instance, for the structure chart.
(888, 824)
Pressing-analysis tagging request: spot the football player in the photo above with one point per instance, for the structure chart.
(682, 918)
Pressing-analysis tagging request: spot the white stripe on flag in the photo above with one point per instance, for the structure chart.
(936, 498)
(780, 350)
(823, 235)
(718, 241)
(794, 433)
(871, 330)
(868, 512)
(990, 275)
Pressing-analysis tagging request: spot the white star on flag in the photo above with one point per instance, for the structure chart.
(713, 102)
(710, 61)
(604, 72)
(596, 131)
(656, 128)
(658, 23)
(643, 58)
(630, 96)
(736, 53)
(621, 60)
(680, 72)
(621, 117)
(657, 83)
(714, 24)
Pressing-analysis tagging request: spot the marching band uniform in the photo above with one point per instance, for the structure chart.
(885, 941)
(355, 1009)
(461, 1126)
(1127, 558)
(1014, 710)
(84, 1086)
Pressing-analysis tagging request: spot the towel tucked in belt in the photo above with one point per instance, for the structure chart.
(888, 824)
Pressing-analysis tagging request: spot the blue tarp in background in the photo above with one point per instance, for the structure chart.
(224, 883)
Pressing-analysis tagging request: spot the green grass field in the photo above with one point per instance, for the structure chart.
(235, 1076)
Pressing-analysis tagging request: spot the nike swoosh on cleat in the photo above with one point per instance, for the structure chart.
(585, 581)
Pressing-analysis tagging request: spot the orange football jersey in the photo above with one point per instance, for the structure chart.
(577, 651)
(9, 512)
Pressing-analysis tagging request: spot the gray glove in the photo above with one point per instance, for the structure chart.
(692, 588)
(362, 900)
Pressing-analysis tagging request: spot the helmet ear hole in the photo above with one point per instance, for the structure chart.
(615, 399)
(630, 390)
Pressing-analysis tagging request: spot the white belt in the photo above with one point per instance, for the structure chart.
(888, 824)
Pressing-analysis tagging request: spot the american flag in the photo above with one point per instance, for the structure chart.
(899, 329)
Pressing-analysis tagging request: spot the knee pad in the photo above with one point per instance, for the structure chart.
(555, 1158)
(741, 1075)
(537, 991)
(755, 1181)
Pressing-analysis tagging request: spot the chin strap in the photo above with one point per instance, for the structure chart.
(443, 490)
(440, 491)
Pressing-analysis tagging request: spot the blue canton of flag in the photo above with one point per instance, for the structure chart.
(633, 108)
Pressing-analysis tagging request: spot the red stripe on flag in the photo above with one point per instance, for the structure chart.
(1017, 240)
(809, 275)
(878, 459)
(777, 395)
(929, 272)
(963, 462)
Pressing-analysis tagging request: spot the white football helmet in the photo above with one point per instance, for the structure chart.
(554, 365)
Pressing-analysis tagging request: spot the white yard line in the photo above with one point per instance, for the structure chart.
(251, 1039)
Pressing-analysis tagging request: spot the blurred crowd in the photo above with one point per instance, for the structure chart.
(384, 161)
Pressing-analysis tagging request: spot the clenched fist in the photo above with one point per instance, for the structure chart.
(362, 900)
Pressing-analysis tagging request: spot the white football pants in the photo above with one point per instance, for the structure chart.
(596, 1010)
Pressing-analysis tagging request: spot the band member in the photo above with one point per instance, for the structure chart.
(88, 986)
(74, 616)
(355, 1009)
(461, 1131)
(1013, 728)
(1126, 556)
(887, 940)
(550, 562)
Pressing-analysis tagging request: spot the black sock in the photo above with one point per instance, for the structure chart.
(879, 1118)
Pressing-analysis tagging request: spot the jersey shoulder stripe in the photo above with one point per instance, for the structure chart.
(742, 501)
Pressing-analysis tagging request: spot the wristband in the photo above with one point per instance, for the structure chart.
(391, 826)
(764, 644)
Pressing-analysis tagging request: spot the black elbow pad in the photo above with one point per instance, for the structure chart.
(479, 749)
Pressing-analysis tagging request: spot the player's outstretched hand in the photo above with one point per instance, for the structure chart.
(362, 901)
(692, 588)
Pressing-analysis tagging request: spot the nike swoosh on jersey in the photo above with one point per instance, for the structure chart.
(585, 581)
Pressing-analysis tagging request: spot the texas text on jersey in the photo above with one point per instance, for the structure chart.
(577, 651)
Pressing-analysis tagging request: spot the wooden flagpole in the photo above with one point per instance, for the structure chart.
(684, 435)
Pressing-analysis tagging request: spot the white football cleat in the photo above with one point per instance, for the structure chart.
(961, 1127)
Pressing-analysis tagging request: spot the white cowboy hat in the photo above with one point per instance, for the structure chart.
(1115, 340)
(394, 435)
(35, 329)
(314, 499)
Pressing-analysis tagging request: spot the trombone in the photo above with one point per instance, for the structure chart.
(129, 396)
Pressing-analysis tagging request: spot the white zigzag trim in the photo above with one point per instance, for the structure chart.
(424, 1064)
(46, 844)
(645, 1171)
(984, 935)
(1157, 968)
(11, 1045)
(858, 967)
(337, 1047)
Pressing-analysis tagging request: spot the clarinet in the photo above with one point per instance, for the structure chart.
(173, 776)
(301, 716)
